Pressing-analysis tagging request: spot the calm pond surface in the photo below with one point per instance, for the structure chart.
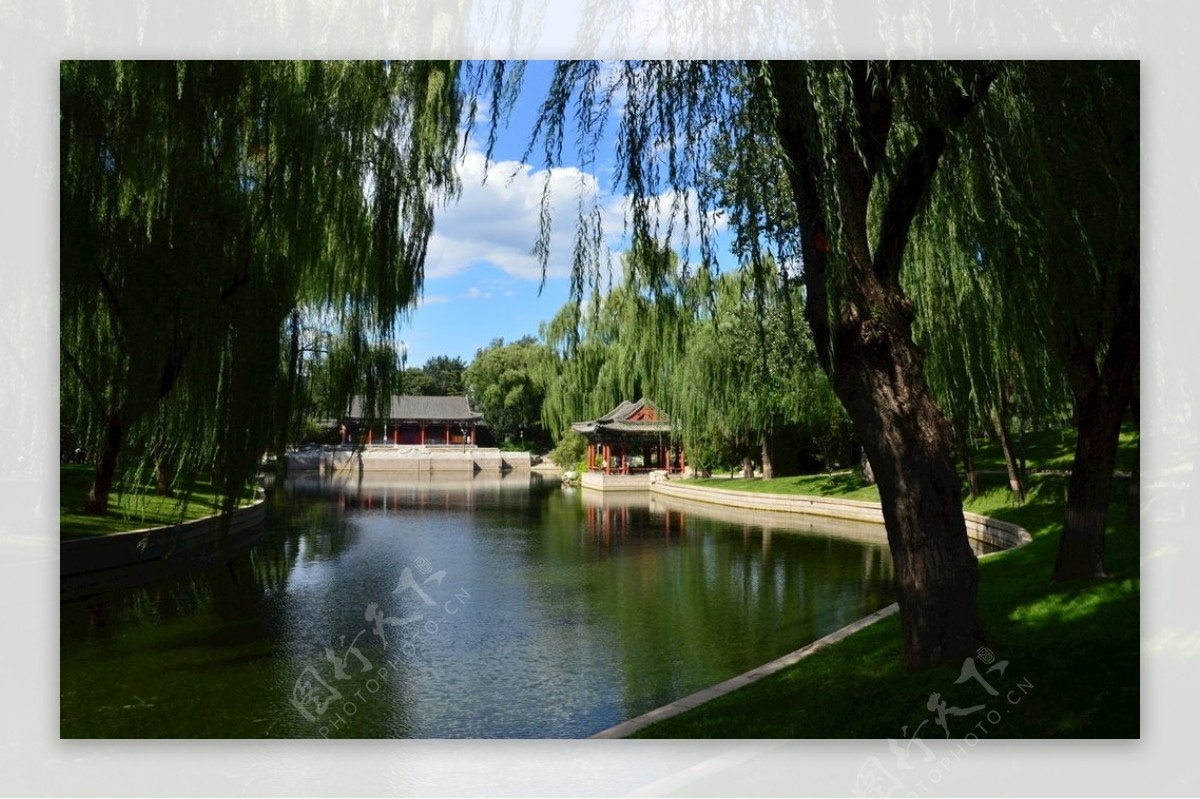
(459, 607)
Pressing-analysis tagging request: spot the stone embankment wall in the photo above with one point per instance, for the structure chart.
(90, 566)
(466, 460)
(988, 535)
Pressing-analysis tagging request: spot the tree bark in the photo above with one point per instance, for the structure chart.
(864, 463)
(162, 479)
(999, 419)
(909, 443)
(864, 337)
(106, 466)
(285, 411)
(768, 469)
(1101, 397)
(1081, 548)
(747, 468)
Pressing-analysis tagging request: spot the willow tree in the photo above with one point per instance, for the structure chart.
(858, 144)
(1047, 182)
(582, 379)
(749, 373)
(625, 344)
(986, 360)
(204, 205)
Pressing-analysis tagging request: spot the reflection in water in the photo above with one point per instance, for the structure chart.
(448, 606)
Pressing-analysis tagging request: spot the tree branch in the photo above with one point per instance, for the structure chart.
(916, 176)
(873, 99)
(91, 390)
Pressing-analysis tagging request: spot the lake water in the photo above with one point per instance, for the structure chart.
(458, 607)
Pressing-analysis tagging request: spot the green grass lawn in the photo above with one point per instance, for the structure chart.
(842, 484)
(1072, 648)
(131, 506)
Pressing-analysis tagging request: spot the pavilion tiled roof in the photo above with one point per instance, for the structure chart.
(625, 419)
(409, 408)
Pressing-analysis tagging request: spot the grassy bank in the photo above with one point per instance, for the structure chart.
(842, 484)
(132, 506)
(1072, 648)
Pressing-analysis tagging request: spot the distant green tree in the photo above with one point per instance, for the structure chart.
(445, 375)
(506, 382)
(415, 381)
(750, 373)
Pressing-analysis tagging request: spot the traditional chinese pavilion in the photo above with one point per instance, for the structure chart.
(414, 421)
(634, 437)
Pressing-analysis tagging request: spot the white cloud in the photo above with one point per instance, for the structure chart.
(497, 221)
(433, 299)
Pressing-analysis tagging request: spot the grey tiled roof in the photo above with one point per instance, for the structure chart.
(423, 409)
(617, 421)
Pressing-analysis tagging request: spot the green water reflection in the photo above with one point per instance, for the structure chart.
(510, 607)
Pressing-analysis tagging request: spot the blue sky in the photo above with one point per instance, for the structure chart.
(481, 278)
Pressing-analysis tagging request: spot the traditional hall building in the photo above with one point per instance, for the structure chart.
(414, 421)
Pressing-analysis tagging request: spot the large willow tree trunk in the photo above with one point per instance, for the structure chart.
(864, 335)
(879, 376)
(1101, 396)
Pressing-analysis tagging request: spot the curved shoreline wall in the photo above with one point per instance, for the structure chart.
(987, 535)
(90, 566)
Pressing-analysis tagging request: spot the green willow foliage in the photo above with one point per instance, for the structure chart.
(1016, 265)
(622, 345)
(864, 146)
(992, 262)
(750, 376)
(203, 206)
(730, 369)
(1047, 188)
